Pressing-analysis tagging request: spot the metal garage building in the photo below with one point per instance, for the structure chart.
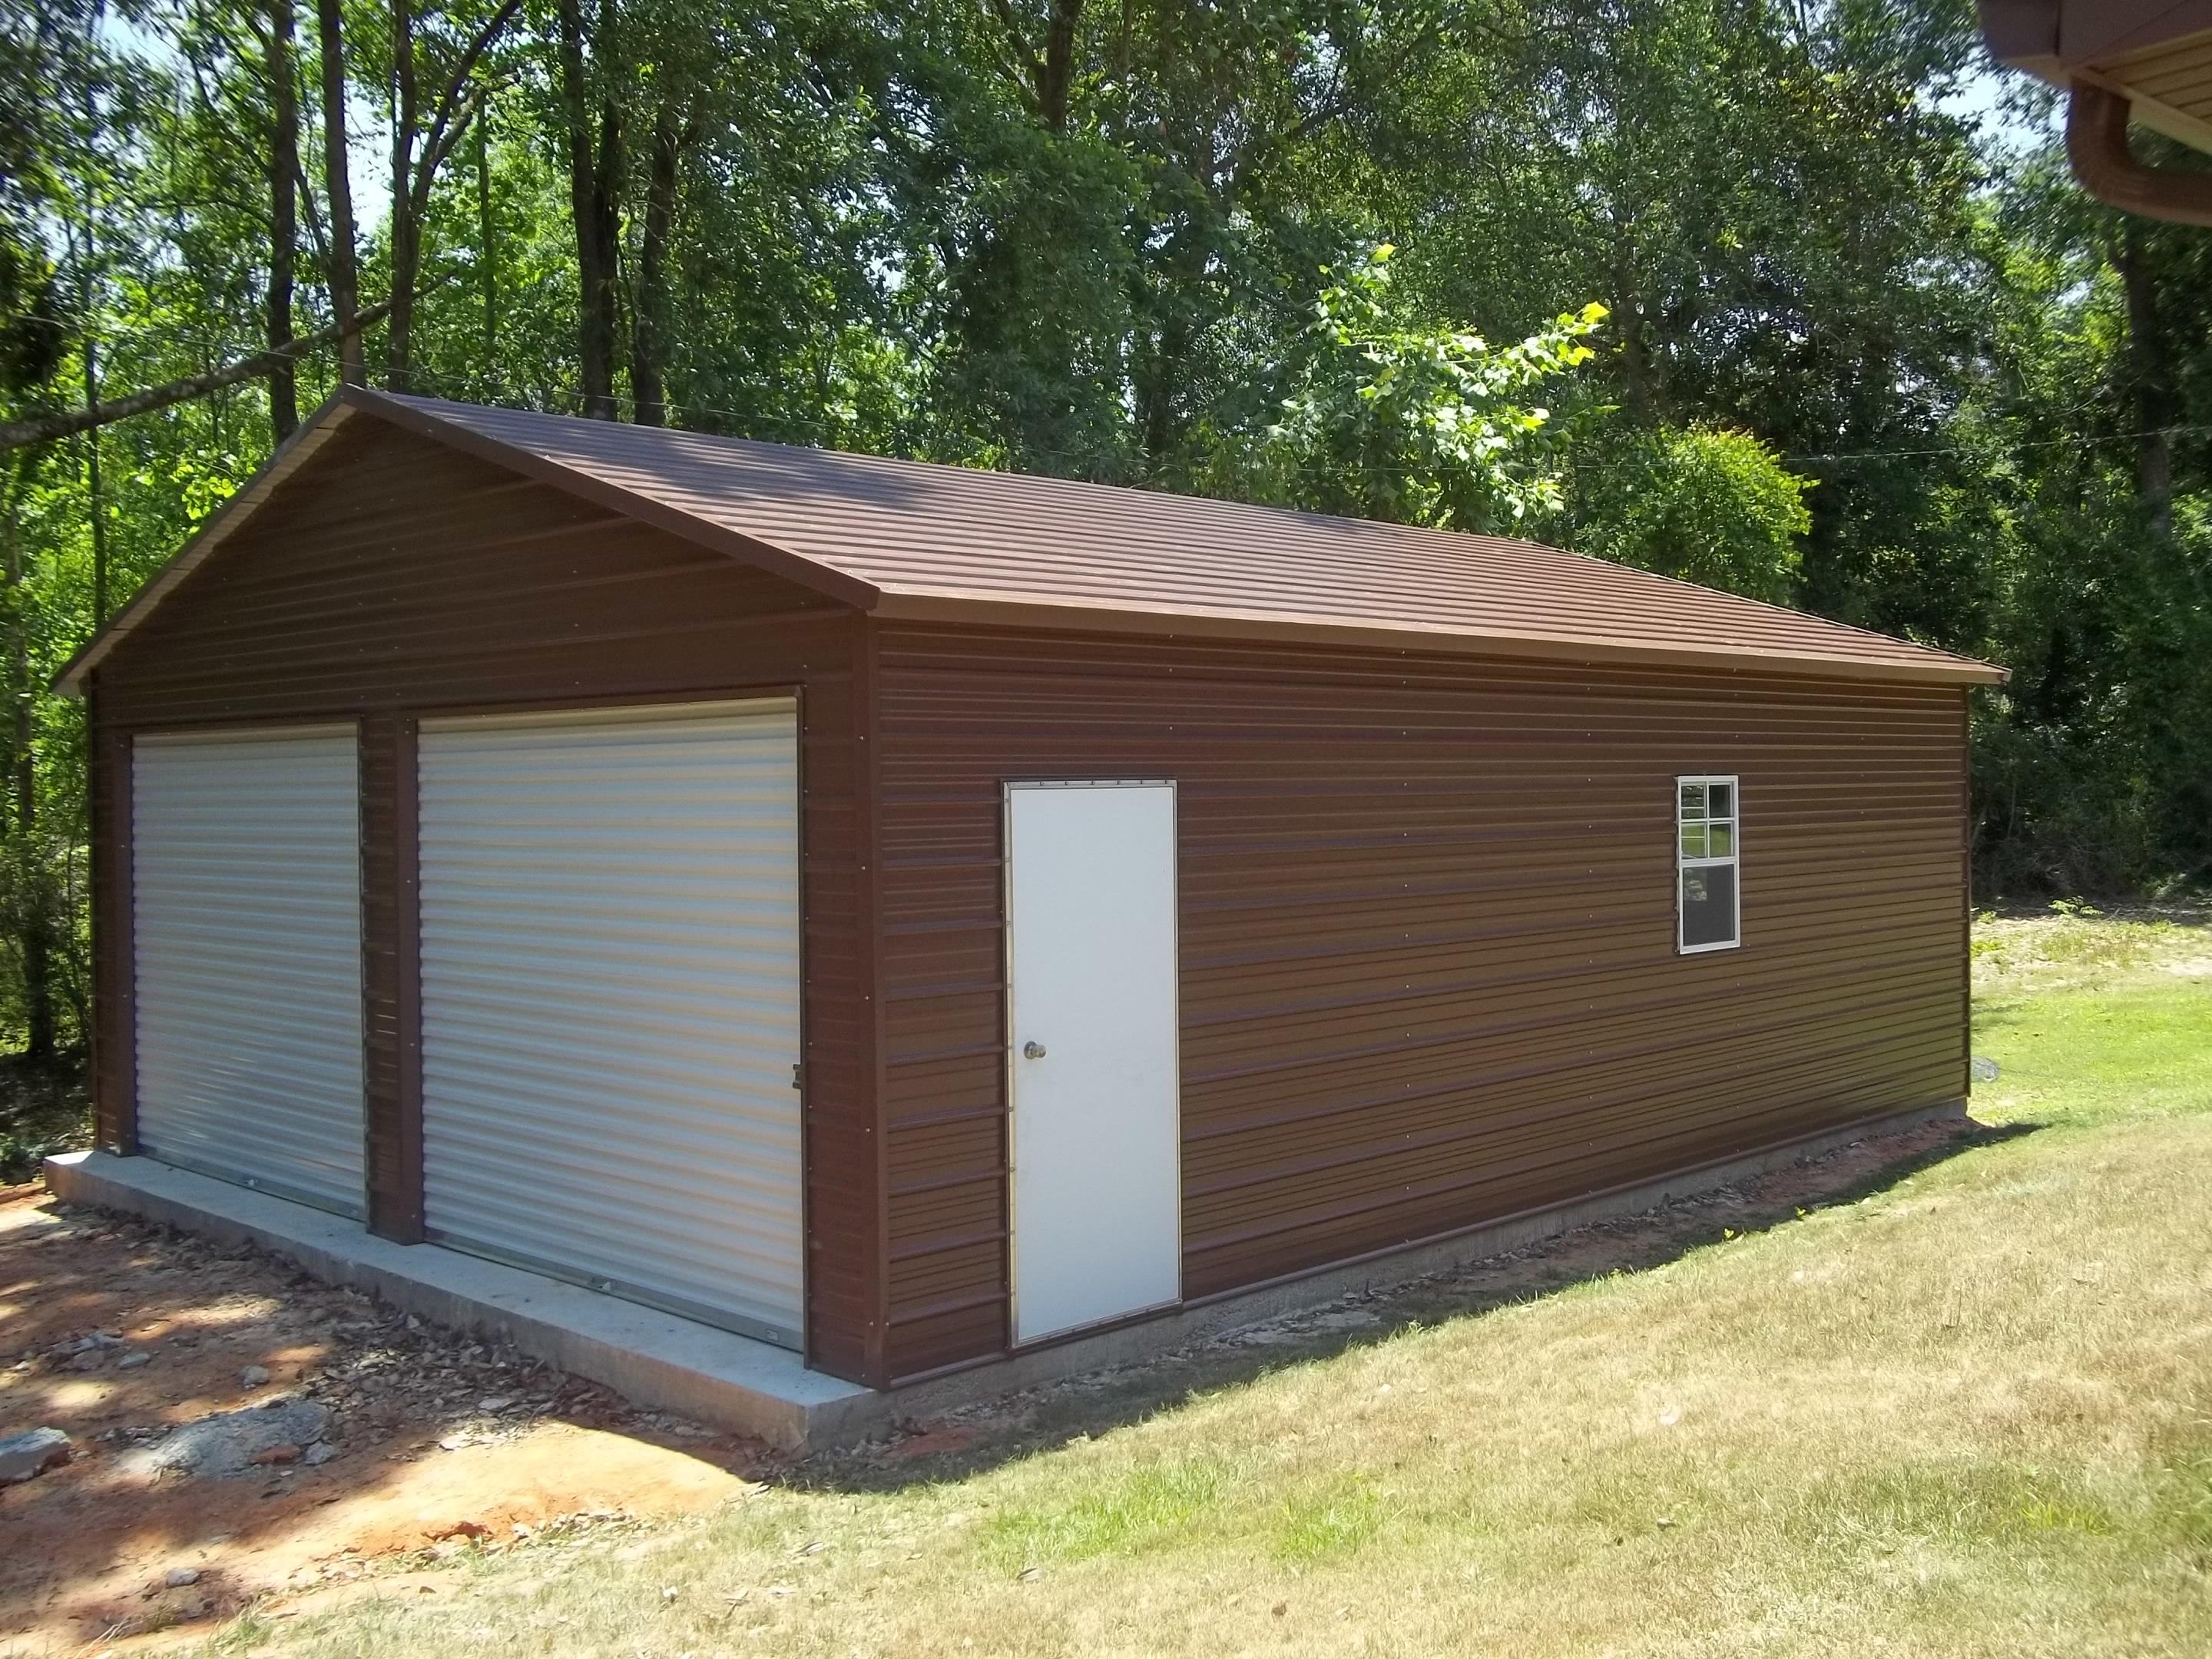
(911, 914)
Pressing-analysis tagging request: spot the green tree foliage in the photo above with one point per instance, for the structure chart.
(1731, 289)
(1710, 506)
(1398, 420)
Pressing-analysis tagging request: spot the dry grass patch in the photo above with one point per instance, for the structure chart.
(1970, 1413)
(2072, 944)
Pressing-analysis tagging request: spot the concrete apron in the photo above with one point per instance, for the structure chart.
(668, 1363)
(656, 1359)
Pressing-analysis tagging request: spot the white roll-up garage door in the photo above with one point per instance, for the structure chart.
(245, 926)
(610, 928)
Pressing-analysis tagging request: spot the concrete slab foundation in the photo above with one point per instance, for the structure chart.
(654, 1358)
(673, 1364)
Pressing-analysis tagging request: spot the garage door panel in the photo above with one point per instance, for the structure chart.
(519, 1213)
(672, 1144)
(527, 1205)
(587, 1090)
(609, 949)
(245, 873)
(664, 962)
(485, 1030)
(500, 870)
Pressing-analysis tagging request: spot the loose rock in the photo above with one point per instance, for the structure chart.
(178, 1578)
(227, 1444)
(319, 1453)
(253, 1377)
(26, 1456)
(133, 1360)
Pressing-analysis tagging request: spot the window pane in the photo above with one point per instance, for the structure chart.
(1718, 800)
(1694, 841)
(1693, 800)
(1720, 840)
(1709, 905)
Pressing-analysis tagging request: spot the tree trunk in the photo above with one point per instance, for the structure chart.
(90, 352)
(95, 508)
(1056, 67)
(344, 273)
(671, 135)
(33, 913)
(594, 173)
(406, 229)
(406, 258)
(1631, 328)
(486, 244)
(284, 228)
(1049, 70)
(2150, 373)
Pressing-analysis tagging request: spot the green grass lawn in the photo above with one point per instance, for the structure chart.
(1969, 1412)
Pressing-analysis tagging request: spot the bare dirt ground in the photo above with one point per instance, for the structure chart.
(420, 1445)
(424, 1450)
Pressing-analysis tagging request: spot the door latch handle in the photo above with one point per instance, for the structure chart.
(1032, 1051)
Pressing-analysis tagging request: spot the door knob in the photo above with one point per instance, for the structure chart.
(1032, 1051)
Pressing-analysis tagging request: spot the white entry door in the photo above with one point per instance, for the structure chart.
(1092, 1015)
(611, 1001)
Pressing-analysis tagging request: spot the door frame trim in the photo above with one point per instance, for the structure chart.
(1007, 789)
(587, 702)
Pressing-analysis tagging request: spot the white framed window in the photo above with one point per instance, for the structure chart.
(1708, 839)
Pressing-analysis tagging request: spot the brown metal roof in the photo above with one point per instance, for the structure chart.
(901, 539)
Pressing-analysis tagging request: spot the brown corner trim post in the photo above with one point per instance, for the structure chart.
(391, 976)
(2096, 146)
(114, 1036)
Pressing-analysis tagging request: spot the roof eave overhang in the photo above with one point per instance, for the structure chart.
(2108, 57)
(1938, 668)
(349, 402)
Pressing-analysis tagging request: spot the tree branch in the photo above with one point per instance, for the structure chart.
(1023, 58)
(457, 83)
(45, 428)
(317, 232)
(474, 107)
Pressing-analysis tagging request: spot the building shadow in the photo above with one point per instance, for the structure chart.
(977, 1439)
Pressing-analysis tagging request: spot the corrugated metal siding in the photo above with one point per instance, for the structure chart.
(245, 884)
(958, 536)
(609, 940)
(1428, 916)
(396, 575)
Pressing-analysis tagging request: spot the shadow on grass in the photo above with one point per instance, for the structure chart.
(977, 1439)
